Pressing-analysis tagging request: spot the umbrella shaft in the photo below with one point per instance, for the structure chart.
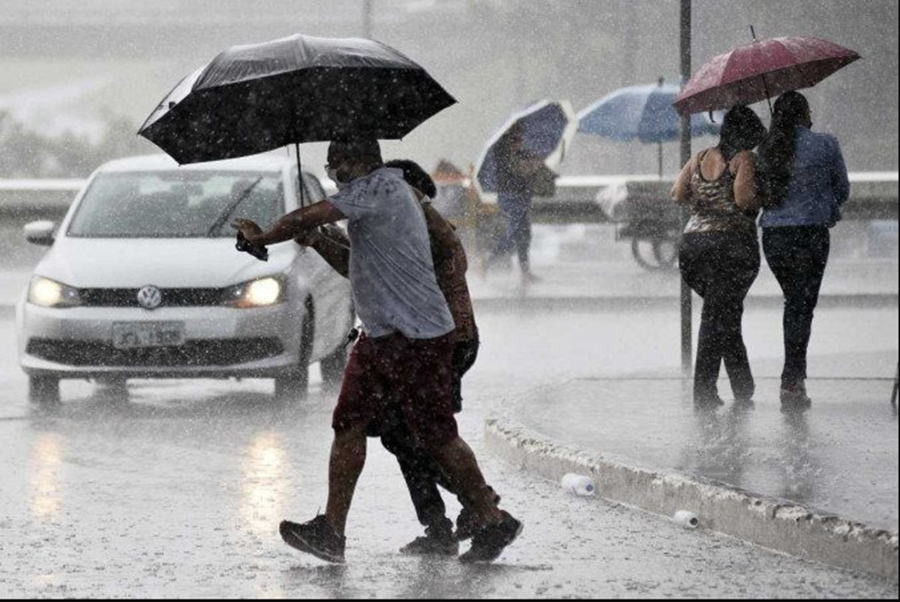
(300, 185)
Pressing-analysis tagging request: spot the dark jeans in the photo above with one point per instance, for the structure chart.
(517, 212)
(721, 267)
(421, 472)
(798, 257)
(464, 357)
(422, 475)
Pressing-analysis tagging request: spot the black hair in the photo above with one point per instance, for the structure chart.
(360, 149)
(778, 151)
(742, 130)
(415, 176)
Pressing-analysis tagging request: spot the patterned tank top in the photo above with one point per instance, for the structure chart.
(713, 207)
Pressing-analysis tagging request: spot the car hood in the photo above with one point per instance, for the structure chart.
(166, 263)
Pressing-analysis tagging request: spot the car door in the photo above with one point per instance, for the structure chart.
(330, 291)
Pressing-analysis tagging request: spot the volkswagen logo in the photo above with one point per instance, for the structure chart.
(150, 297)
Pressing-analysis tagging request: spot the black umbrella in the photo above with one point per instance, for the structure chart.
(251, 99)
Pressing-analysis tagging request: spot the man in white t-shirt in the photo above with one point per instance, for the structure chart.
(405, 355)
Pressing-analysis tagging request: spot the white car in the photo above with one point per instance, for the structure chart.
(142, 280)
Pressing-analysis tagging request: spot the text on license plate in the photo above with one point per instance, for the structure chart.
(136, 335)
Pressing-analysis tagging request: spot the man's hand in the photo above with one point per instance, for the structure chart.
(309, 238)
(248, 228)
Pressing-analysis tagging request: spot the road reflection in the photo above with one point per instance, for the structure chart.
(720, 447)
(264, 467)
(45, 479)
(799, 467)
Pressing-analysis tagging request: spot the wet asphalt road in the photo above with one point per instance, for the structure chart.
(179, 491)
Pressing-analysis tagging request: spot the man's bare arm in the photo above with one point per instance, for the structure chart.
(291, 225)
(334, 254)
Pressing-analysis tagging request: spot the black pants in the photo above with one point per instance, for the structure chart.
(422, 474)
(721, 267)
(464, 357)
(798, 257)
(516, 209)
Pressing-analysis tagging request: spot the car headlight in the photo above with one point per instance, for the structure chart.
(49, 293)
(256, 293)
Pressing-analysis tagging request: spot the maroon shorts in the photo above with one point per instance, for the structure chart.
(416, 375)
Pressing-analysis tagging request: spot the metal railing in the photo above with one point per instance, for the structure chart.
(873, 196)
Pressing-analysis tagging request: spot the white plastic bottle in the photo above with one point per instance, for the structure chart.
(579, 485)
(687, 519)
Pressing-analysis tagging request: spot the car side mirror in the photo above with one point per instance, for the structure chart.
(40, 233)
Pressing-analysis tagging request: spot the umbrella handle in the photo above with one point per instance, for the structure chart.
(300, 176)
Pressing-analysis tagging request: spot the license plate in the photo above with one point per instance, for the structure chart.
(139, 335)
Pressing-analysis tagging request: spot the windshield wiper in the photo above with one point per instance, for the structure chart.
(220, 221)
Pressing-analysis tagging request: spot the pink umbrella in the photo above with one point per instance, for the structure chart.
(761, 70)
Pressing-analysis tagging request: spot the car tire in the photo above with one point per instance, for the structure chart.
(43, 390)
(113, 389)
(333, 365)
(294, 385)
(655, 254)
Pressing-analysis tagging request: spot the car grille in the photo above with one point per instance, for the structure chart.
(198, 354)
(174, 297)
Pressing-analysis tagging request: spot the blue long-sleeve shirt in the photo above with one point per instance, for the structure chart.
(819, 185)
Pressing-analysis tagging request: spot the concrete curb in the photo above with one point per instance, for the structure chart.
(626, 303)
(769, 522)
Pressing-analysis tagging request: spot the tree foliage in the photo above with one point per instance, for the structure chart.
(25, 153)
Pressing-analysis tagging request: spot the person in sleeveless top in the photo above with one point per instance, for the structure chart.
(806, 183)
(719, 255)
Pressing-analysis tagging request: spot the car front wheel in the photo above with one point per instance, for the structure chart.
(294, 385)
(43, 390)
(333, 367)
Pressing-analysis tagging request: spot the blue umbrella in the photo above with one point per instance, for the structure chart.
(548, 127)
(644, 113)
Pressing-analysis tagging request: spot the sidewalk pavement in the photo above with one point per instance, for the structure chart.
(840, 459)
(581, 280)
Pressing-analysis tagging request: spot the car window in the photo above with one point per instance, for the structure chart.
(176, 204)
(314, 188)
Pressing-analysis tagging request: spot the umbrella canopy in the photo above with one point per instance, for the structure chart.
(255, 98)
(761, 70)
(642, 113)
(548, 128)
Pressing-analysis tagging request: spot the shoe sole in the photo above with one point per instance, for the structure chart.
(447, 554)
(500, 552)
(298, 543)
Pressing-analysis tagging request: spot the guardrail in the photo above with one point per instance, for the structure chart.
(873, 196)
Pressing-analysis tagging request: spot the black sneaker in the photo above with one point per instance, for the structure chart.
(488, 543)
(436, 542)
(794, 398)
(467, 523)
(317, 537)
(744, 403)
(707, 401)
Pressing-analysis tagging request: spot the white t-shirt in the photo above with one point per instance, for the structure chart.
(391, 269)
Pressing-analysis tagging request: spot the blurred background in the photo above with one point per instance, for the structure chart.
(80, 77)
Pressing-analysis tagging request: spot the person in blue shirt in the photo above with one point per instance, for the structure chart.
(806, 184)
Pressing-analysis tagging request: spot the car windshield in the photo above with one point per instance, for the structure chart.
(176, 204)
